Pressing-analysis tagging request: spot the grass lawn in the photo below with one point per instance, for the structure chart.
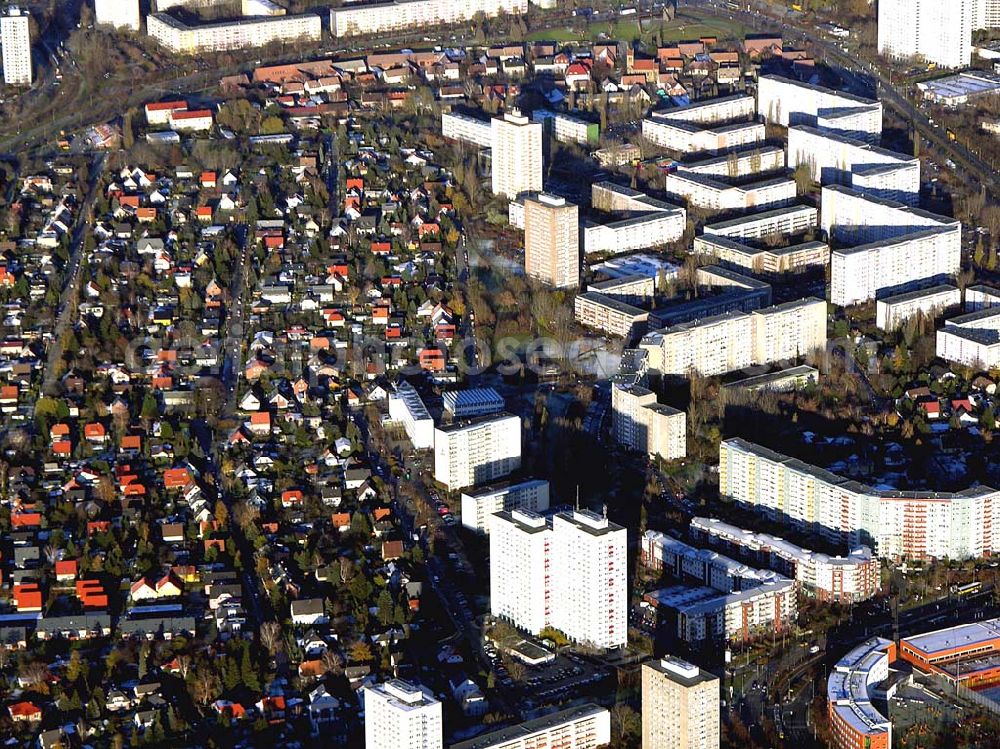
(625, 29)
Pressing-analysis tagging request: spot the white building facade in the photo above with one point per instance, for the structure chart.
(916, 525)
(517, 155)
(477, 451)
(15, 39)
(934, 31)
(479, 505)
(400, 715)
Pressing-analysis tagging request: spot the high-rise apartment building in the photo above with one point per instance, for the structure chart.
(641, 424)
(680, 706)
(476, 451)
(520, 573)
(15, 38)
(589, 575)
(119, 14)
(937, 32)
(567, 572)
(911, 524)
(400, 715)
(517, 155)
(552, 241)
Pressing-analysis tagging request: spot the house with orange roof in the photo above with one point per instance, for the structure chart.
(176, 478)
(95, 433)
(432, 360)
(291, 497)
(145, 214)
(131, 444)
(8, 396)
(260, 423)
(208, 180)
(58, 432)
(25, 712)
(26, 520)
(27, 597)
(62, 448)
(341, 521)
(66, 570)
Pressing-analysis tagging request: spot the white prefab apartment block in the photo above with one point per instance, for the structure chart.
(972, 339)
(407, 15)
(893, 311)
(896, 247)
(406, 407)
(608, 314)
(702, 566)
(479, 505)
(913, 524)
(713, 125)
(787, 220)
(844, 579)
(258, 31)
(980, 297)
(711, 111)
(457, 126)
(650, 222)
(739, 164)
(567, 572)
(521, 562)
(737, 340)
(119, 14)
(766, 261)
(567, 128)
(552, 241)
(704, 613)
(685, 137)
(785, 101)
(715, 195)
(581, 727)
(680, 706)
(477, 451)
(934, 31)
(589, 579)
(789, 330)
(15, 39)
(517, 155)
(643, 425)
(400, 715)
(711, 346)
(869, 170)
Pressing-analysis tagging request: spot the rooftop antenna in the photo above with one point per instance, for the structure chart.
(604, 511)
(577, 497)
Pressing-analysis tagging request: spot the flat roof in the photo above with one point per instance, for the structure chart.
(961, 84)
(963, 636)
(611, 303)
(680, 672)
(529, 727)
(849, 484)
(786, 306)
(779, 546)
(912, 236)
(474, 421)
(859, 144)
(909, 296)
(754, 217)
(820, 89)
(502, 486)
(720, 271)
